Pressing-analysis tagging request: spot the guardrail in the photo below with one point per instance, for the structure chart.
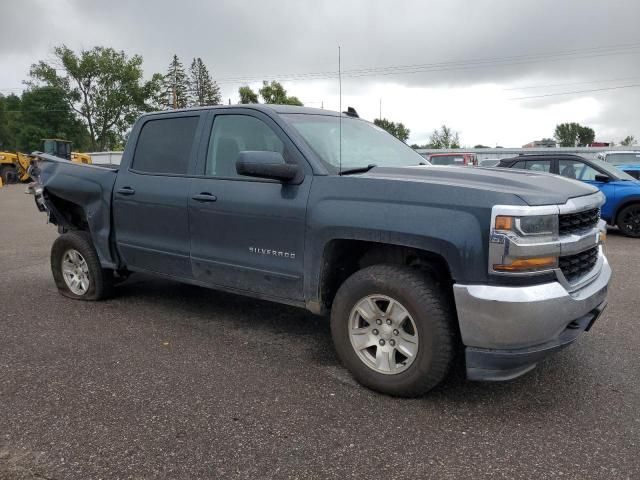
(498, 153)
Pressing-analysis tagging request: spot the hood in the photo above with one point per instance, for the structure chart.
(532, 188)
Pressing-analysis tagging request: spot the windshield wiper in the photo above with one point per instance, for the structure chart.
(358, 169)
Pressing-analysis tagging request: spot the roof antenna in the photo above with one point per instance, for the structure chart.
(340, 111)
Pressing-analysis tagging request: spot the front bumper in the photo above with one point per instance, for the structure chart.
(506, 330)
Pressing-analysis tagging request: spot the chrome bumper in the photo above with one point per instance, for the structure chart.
(503, 318)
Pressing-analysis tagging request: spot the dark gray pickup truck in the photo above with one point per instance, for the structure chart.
(322, 210)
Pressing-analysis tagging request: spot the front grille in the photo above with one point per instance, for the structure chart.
(575, 222)
(575, 266)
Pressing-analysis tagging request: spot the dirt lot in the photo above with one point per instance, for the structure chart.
(174, 381)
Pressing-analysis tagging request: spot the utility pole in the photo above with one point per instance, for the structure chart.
(380, 114)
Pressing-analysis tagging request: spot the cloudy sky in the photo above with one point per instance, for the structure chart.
(465, 63)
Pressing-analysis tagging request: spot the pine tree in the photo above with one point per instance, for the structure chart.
(204, 91)
(176, 85)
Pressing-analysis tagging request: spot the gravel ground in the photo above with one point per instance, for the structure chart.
(175, 381)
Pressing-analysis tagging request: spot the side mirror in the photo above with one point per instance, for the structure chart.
(602, 178)
(269, 165)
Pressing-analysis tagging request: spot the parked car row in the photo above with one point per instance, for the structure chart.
(622, 191)
(628, 162)
(614, 173)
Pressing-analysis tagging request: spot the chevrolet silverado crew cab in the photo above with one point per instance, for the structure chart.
(328, 212)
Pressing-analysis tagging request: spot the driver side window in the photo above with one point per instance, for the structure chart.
(577, 170)
(233, 134)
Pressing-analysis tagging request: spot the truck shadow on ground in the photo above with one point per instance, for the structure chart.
(201, 309)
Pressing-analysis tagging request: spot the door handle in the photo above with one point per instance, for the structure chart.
(205, 197)
(126, 191)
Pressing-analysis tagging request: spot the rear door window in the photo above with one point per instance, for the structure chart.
(539, 165)
(164, 146)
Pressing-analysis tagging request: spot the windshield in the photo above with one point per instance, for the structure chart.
(616, 172)
(447, 159)
(363, 143)
(623, 158)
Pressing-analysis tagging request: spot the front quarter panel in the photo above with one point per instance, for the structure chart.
(449, 221)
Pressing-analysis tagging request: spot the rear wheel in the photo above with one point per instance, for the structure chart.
(392, 328)
(629, 220)
(76, 268)
(8, 174)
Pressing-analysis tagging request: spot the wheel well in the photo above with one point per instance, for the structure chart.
(342, 258)
(68, 215)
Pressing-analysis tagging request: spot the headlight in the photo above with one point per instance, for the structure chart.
(523, 234)
(538, 225)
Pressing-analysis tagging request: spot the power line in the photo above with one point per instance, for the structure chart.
(577, 91)
(551, 85)
(449, 65)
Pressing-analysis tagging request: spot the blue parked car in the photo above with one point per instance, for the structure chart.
(622, 207)
(628, 162)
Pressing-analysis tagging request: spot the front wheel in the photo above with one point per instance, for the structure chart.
(393, 329)
(76, 268)
(629, 220)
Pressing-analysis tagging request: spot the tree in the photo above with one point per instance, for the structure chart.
(628, 141)
(573, 134)
(586, 136)
(104, 87)
(204, 91)
(398, 130)
(275, 93)
(7, 116)
(176, 85)
(247, 95)
(444, 138)
(45, 114)
(41, 112)
(480, 146)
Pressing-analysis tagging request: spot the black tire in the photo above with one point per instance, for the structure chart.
(629, 220)
(430, 309)
(8, 174)
(100, 279)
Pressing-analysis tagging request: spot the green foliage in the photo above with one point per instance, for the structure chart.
(586, 136)
(176, 85)
(41, 112)
(480, 146)
(573, 134)
(104, 87)
(275, 93)
(628, 141)
(445, 137)
(7, 119)
(247, 95)
(398, 130)
(204, 91)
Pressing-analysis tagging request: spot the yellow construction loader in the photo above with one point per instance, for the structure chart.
(14, 166)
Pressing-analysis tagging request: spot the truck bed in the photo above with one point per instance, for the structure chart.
(88, 187)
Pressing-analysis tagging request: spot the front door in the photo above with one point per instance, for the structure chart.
(248, 234)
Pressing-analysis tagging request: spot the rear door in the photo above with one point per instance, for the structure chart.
(247, 233)
(150, 195)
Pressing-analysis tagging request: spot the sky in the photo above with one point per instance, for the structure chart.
(472, 65)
